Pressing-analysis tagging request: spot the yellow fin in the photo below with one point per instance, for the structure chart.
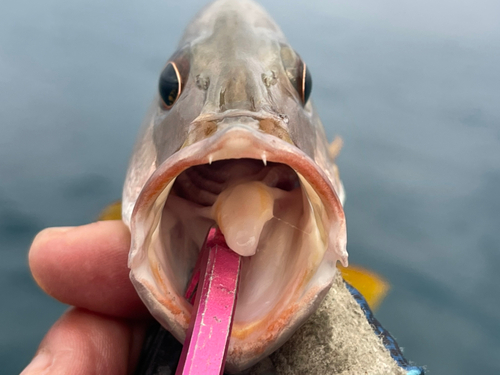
(335, 147)
(112, 212)
(372, 286)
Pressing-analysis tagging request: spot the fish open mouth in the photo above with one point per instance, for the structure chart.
(274, 206)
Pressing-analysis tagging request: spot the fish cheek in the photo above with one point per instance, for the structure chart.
(167, 135)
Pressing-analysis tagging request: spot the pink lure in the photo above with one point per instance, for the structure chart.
(216, 279)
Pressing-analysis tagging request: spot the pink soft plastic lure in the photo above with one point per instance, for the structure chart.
(215, 280)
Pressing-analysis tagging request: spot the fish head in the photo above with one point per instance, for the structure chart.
(232, 139)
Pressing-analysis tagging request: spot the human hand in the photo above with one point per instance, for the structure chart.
(86, 267)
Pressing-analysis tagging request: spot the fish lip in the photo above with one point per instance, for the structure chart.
(234, 113)
(224, 144)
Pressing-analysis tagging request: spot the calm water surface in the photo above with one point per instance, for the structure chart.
(412, 87)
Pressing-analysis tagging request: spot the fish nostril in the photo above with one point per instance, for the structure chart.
(269, 78)
(202, 82)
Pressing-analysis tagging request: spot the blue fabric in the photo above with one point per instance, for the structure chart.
(389, 342)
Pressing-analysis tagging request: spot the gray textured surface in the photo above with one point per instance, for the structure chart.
(337, 339)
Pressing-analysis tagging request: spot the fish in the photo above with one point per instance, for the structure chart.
(232, 139)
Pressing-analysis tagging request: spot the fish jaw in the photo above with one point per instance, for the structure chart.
(263, 320)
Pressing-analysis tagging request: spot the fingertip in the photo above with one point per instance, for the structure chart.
(86, 266)
(41, 242)
(40, 364)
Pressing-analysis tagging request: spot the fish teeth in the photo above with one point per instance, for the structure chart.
(264, 158)
(210, 159)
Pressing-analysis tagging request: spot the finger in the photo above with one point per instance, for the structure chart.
(85, 343)
(86, 267)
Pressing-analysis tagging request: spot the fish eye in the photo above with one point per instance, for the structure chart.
(170, 85)
(297, 72)
(306, 86)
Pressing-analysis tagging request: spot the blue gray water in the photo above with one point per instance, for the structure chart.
(412, 87)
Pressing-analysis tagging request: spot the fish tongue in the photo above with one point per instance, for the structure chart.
(241, 211)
